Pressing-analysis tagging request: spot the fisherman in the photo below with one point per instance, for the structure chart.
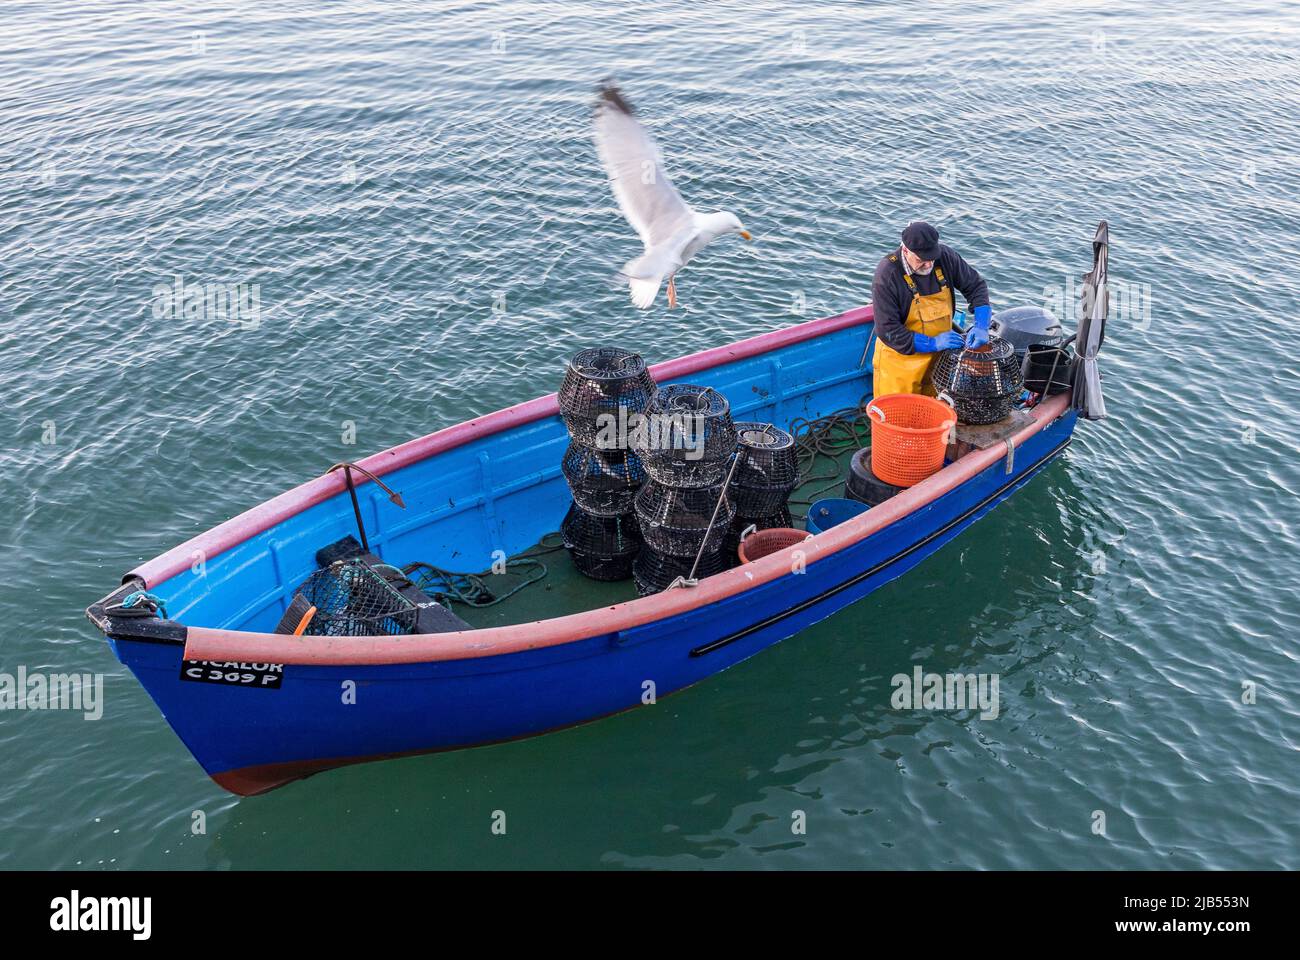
(913, 300)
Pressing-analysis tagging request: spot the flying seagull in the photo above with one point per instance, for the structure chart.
(671, 231)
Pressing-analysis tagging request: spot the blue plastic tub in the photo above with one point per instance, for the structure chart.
(827, 513)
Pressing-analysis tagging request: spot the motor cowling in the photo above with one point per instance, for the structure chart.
(1023, 327)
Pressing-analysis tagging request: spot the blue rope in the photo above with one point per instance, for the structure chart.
(139, 596)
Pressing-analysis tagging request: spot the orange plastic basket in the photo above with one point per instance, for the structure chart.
(909, 433)
(763, 542)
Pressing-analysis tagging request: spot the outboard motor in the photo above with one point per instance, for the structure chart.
(1023, 327)
(1042, 348)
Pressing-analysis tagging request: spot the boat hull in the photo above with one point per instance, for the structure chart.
(320, 716)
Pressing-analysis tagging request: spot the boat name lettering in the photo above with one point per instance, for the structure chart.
(233, 673)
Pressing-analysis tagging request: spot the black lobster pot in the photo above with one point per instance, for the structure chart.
(688, 436)
(604, 388)
(351, 599)
(602, 481)
(678, 521)
(602, 548)
(731, 542)
(767, 469)
(983, 384)
(655, 571)
(1048, 369)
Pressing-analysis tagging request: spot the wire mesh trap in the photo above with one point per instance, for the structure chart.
(653, 571)
(678, 520)
(602, 481)
(767, 470)
(600, 383)
(687, 436)
(982, 383)
(352, 600)
(602, 548)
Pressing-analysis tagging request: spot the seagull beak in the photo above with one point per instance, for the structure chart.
(746, 234)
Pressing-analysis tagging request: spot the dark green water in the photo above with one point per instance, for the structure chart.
(414, 191)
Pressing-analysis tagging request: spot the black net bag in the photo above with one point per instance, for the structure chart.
(767, 469)
(602, 548)
(1048, 369)
(655, 571)
(741, 523)
(687, 437)
(602, 389)
(352, 600)
(678, 520)
(983, 384)
(602, 481)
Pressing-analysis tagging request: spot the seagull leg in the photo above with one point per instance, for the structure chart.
(672, 292)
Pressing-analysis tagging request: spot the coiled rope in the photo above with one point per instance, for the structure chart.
(828, 437)
(472, 589)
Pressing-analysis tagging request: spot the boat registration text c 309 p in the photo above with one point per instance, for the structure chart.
(232, 673)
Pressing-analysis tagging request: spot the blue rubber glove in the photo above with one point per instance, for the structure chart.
(979, 334)
(948, 340)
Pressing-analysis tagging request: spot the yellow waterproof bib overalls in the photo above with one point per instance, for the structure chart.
(895, 372)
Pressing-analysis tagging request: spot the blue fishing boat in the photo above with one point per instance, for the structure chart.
(259, 708)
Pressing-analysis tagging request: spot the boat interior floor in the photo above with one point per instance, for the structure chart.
(563, 590)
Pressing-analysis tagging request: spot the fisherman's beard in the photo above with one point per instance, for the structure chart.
(920, 273)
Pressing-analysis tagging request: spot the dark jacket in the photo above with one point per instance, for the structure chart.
(891, 298)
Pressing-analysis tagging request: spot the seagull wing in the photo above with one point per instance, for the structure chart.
(632, 162)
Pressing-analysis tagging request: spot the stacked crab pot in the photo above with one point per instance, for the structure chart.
(767, 472)
(605, 390)
(686, 444)
(983, 383)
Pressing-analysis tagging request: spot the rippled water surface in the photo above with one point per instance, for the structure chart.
(413, 189)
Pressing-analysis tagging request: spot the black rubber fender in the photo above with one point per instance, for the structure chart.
(863, 485)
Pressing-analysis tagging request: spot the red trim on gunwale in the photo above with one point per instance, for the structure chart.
(206, 643)
(250, 523)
